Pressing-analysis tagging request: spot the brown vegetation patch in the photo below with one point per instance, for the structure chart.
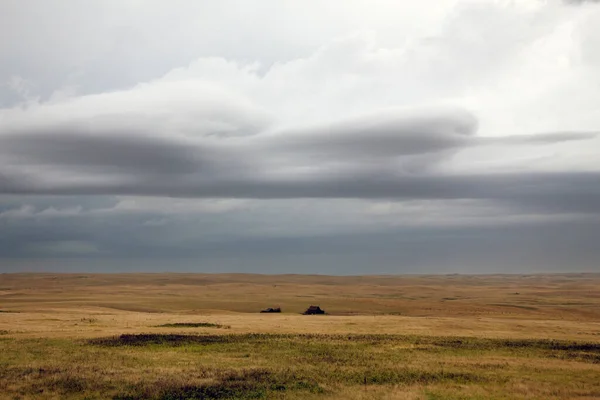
(243, 384)
(192, 325)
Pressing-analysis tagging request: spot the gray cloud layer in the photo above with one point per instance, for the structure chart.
(373, 156)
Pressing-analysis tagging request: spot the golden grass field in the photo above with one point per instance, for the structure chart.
(99, 336)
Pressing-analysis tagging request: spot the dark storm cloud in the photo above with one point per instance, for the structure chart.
(526, 188)
(11, 184)
(111, 151)
(108, 151)
(356, 158)
(390, 133)
(542, 247)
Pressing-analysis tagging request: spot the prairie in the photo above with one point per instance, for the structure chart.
(201, 336)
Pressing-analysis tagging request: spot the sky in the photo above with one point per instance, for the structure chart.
(340, 137)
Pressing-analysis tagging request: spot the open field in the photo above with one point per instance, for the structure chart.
(171, 336)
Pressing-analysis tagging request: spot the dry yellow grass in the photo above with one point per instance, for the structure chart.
(46, 320)
(544, 306)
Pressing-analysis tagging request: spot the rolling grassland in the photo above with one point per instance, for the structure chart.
(195, 336)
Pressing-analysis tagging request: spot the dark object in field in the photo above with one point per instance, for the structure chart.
(314, 310)
(270, 310)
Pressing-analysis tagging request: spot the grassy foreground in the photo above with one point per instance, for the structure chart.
(253, 366)
(58, 344)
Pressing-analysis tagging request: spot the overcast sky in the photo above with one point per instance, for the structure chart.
(272, 136)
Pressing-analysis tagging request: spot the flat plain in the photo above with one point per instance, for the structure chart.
(201, 336)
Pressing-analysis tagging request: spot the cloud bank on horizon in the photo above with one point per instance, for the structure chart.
(194, 132)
